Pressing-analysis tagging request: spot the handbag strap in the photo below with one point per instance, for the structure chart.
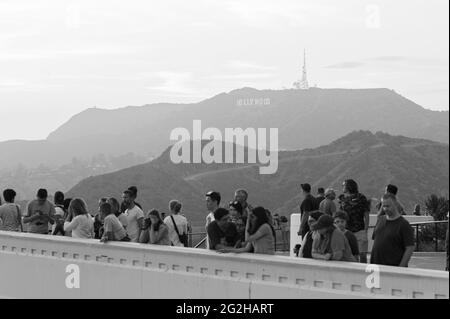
(175, 226)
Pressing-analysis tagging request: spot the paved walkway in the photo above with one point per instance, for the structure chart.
(435, 261)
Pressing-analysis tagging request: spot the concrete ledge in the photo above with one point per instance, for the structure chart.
(34, 266)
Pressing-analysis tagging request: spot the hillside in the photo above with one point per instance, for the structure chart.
(419, 167)
(305, 119)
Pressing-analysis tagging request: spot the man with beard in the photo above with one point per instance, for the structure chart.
(393, 236)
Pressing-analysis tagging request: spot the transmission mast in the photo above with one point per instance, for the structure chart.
(303, 83)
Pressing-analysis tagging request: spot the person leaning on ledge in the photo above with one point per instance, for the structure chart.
(393, 236)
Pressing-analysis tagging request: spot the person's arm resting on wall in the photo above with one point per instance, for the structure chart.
(407, 256)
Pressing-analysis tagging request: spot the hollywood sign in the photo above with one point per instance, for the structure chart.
(253, 101)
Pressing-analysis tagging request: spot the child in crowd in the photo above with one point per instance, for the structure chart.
(340, 221)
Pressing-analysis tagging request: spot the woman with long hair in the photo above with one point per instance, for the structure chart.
(261, 239)
(157, 233)
(81, 225)
(115, 206)
(113, 228)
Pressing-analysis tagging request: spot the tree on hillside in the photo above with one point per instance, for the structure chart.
(437, 206)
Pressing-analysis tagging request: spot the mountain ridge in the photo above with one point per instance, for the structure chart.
(305, 119)
(419, 167)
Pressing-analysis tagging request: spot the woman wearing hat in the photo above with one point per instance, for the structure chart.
(329, 243)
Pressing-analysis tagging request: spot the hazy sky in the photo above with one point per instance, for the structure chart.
(58, 57)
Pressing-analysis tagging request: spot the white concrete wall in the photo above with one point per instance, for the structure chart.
(295, 225)
(34, 266)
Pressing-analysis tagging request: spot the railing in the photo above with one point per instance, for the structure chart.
(195, 239)
(281, 245)
(436, 237)
(203, 241)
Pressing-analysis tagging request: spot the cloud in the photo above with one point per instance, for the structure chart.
(243, 76)
(389, 58)
(346, 65)
(390, 61)
(173, 82)
(411, 61)
(62, 53)
(264, 14)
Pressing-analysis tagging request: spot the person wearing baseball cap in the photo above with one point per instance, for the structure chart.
(329, 243)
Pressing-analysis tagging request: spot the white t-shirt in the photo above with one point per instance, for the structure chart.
(58, 211)
(181, 223)
(132, 219)
(123, 220)
(81, 226)
(113, 225)
(209, 220)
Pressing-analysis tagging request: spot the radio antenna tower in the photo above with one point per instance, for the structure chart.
(303, 83)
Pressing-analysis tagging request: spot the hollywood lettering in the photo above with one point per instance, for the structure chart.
(253, 101)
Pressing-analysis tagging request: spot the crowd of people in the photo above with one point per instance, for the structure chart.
(339, 230)
(331, 227)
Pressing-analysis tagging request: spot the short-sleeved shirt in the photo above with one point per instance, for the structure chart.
(308, 205)
(40, 225)
(209, 220)
(338, 242)
(353, 242)
(59, 211)
(356, 206)
(113, 225)
(10, 217)
(266, 243)
(181, 223)
(327, 206)
(82, 226)
(123, 220)
(391, 237)
(133, 226)
(229, 236)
